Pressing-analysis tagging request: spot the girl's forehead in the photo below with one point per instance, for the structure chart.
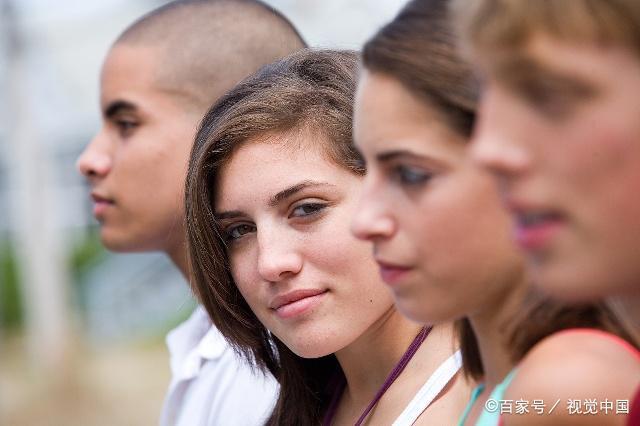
(257, 171)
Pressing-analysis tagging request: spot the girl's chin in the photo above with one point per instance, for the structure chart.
(311, 353)
(417, 312)
(307, 347)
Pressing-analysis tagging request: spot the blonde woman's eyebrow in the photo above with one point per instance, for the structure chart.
(523, 70)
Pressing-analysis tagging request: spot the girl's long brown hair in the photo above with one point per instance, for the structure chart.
(311, 90)
(419, 49)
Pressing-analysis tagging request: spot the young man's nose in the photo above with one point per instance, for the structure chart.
(95, 160)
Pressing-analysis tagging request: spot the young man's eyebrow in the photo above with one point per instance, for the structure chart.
(288, 192)
(118, 106)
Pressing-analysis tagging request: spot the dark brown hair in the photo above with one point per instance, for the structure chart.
(312, 90)
(419, 49)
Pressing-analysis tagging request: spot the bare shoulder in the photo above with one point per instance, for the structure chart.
(576, 369)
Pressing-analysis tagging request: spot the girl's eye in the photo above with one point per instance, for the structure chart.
(238, 231)
(307, 209)
(408, 175)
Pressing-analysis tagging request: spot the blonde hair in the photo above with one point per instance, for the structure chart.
(489, 25)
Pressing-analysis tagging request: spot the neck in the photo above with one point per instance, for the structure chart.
(492, 327)
(367, 361)
(627, 310)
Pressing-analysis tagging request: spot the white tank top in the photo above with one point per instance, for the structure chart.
(430, 390)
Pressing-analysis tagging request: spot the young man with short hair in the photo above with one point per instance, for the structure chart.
(158, 79)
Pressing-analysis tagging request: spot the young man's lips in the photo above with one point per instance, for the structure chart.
(391, 273)
(100, 204)
(296, 302)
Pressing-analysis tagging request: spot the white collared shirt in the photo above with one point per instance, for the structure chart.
(211, 384)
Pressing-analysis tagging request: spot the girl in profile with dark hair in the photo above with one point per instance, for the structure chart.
(441, 235)
(272, 186)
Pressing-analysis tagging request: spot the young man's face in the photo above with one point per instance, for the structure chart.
(560, 127)
(136, 164)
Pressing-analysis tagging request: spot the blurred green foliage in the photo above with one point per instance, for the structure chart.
(10, 298)
(86, 252)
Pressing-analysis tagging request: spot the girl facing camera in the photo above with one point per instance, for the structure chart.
(272, 186)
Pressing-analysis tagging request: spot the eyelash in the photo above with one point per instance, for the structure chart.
(410, 176)
(315, 208)
(228, 233)
(125, 127)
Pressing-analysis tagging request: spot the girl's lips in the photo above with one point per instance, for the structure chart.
(297, 302)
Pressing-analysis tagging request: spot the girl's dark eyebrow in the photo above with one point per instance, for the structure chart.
(229, 215)
(276, 199)
(288, 192)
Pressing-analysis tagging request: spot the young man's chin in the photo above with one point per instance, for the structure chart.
(120, 243)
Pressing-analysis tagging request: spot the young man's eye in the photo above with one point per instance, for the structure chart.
(307, 209)
(235, 232)
(125, 126)
(408, 175)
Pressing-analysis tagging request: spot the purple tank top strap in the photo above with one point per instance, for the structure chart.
(397, 370)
